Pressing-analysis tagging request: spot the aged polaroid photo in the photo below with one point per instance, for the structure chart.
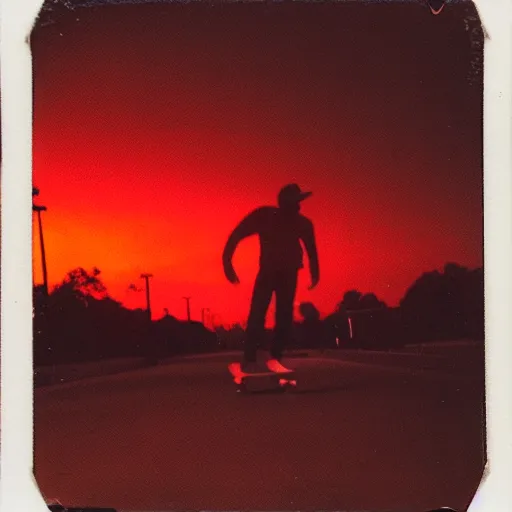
(258, 255)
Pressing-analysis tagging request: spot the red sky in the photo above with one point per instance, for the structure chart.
(158, 127)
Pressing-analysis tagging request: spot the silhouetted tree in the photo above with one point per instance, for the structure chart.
(354, 300)
(445, 305)
(83, 284)
(362, 321)
(311, 332)
(80, 321)
(350, 300)
(370, 301)
(309, 312)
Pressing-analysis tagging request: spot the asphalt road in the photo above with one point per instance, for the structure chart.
(178, 436)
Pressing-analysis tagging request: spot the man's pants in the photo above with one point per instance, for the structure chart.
(284, 284)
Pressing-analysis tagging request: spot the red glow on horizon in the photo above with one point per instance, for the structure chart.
(177, 232)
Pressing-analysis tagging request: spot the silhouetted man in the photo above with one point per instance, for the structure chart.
(280, 231)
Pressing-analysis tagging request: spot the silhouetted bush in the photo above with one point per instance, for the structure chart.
(79, 322)
(445, 305)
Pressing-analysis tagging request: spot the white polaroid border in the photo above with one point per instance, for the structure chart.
(18, 488)
(495, 491)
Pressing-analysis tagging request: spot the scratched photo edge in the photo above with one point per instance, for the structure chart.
(21, 491)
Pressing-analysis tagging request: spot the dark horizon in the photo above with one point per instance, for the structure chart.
(157, 315)
(445, 306)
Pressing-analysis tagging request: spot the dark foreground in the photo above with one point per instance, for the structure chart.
(177, 436)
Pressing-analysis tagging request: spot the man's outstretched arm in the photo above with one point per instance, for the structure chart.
(247, 227)
(308, 237)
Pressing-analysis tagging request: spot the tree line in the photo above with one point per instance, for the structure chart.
(79, 321)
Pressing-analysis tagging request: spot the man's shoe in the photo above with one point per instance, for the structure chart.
(275, 366)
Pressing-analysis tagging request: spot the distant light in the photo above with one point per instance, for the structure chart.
(350, 327)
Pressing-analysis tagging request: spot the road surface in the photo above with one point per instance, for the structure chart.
(178, 436)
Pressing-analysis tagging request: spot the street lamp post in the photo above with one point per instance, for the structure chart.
(146, 277)
(38, 209)
(151, 348)
(203, 316)
(187, 299)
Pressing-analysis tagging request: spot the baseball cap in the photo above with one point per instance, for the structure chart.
(292, 193)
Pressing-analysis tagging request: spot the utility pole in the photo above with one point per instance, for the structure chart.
(188, 307)
(35, 192)
(148, 303)
(203, 311)
(38, 209)
(151, 348)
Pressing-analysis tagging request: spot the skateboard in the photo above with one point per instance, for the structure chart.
(254, 382)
